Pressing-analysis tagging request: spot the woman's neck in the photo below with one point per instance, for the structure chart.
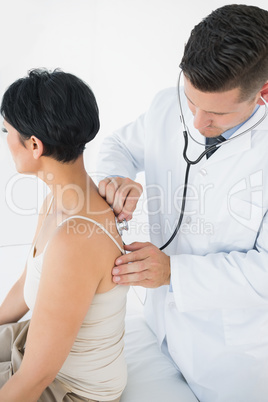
(69, 183)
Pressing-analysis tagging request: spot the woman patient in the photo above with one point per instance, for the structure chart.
(74, 340)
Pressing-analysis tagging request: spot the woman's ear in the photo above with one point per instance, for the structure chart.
(37, 147)
(264, 94)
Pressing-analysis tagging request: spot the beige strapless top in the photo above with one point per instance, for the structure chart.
(95, 367)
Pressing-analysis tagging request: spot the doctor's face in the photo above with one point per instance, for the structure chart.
(216, 112)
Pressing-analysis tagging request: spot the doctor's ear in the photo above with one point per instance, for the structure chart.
(37, 147)
(264, 94)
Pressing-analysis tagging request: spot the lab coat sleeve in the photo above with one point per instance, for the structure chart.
(122, 153)
(235, 280)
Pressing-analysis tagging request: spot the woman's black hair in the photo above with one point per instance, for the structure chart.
(229, 49)
(56, 107)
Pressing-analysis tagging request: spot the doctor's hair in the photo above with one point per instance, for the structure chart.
(56, 107)
(229, 49)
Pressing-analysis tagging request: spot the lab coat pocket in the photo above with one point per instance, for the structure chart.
(241, 221)
(245, 326)
(245, 213)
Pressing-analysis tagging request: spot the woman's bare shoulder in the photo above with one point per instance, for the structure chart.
(82, 244)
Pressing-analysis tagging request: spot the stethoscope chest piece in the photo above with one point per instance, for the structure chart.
(121, 226)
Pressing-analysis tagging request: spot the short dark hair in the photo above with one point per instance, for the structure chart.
(227, 50)
(57, 107)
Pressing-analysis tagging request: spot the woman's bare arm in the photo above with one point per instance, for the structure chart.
(13, 307)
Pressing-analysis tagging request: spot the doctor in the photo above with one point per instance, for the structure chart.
(209, 302)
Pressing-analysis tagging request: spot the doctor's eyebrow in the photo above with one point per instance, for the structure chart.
(217, 113)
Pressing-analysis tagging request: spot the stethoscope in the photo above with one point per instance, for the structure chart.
(186, 134)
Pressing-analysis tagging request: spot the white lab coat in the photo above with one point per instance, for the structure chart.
(216, 319)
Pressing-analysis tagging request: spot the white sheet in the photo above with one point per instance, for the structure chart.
(152, 377)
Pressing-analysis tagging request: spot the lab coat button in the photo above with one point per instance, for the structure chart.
(188, 220)
(203, 172)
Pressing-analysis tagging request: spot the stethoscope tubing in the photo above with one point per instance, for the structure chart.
(185, 186)
(182, 207)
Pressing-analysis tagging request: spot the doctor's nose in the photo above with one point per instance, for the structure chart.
(201, 119)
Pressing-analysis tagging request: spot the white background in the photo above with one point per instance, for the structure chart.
(126, 50)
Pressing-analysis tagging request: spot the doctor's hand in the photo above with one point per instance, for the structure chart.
(122, 194)
(149, 266)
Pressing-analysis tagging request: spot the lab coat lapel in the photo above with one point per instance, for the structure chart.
(239, 144)
(235, 146)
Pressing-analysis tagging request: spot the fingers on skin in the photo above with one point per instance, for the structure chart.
(145, 266)
(128, 269)
(102, 186)
(130, 193)
(127, 196)
(136, 245)
(111, 189)
(122, 216)
(133, 278)
(138, 254)
(122, 194)
(108, 187)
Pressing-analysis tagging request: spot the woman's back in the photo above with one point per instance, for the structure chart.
(95, 367)
(96, 364)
